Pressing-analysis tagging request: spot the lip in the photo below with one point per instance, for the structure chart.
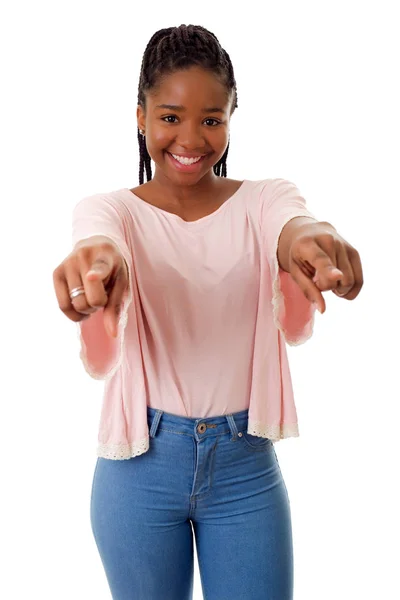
(188, 155)
(186, 168)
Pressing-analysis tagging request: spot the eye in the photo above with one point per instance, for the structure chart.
(215, 121)
(174, 117)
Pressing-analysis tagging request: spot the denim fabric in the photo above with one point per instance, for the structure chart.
(203, 479)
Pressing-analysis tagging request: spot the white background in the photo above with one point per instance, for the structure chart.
(318, 105)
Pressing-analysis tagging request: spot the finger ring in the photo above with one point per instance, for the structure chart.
(76, 292)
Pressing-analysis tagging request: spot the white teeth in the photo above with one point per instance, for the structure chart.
(186, 161)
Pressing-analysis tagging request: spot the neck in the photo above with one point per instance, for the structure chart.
(185, 196)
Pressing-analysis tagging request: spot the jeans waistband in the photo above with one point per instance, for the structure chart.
(200, 427)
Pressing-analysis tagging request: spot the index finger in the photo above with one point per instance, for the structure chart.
(309, 289)
(96, 275)
(326, 272)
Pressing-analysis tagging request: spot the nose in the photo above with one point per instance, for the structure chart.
(190, 136)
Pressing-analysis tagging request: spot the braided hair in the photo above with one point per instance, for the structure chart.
(170, 50)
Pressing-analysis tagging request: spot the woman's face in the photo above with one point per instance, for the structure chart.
(194, 123)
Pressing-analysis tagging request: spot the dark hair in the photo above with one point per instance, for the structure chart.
(177, 48)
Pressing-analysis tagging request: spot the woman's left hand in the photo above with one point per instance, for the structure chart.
(320, 260)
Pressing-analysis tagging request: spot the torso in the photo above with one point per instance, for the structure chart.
(226, 189)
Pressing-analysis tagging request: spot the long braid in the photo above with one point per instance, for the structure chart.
(170, 50)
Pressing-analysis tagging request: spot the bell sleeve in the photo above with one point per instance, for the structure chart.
(103, 215)
(293, 313)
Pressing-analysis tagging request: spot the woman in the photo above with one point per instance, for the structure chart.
(185, 289)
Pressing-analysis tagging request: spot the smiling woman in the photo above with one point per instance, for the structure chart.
(187, 143)
(183, 122)
(198, 386)
(197, 382)
(172, 52)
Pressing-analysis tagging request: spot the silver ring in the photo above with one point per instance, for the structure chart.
(76, 292)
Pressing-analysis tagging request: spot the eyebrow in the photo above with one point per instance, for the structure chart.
(179, 107)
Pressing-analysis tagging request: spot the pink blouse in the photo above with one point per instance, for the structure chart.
(205, 319)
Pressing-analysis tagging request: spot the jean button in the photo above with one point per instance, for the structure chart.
(201, 428)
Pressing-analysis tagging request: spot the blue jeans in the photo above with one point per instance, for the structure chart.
(208, 474)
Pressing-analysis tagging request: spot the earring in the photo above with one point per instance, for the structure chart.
(141, 131)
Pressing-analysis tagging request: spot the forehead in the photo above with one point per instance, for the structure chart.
(191, 88)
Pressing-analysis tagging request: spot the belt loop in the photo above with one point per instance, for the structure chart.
(156, 420)
(233, 427)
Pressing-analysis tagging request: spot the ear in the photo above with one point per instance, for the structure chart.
(141, 118)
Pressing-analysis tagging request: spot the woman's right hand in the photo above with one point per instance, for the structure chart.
(96, 264)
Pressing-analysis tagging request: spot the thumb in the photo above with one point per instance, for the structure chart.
(99, 268)
(333, 271)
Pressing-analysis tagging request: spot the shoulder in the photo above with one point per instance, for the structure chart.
(269, 183)
(273, 187)
(113, 202)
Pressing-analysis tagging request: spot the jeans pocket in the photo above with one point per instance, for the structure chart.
(255, 442)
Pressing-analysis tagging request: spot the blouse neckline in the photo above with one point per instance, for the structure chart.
(179, 219)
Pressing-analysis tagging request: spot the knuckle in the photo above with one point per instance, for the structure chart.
(98, 247)
(76, 317)
(88, 312)
(324, 257)
(99, 303)
(71, 258)
(79, 304)
(297, 249)
(338, 244)
(300, 242)
(64, 308)
(329, 240)
(99, 262)
(79, 251)
(85, 305)
(58, 274)
(352, 252)
(347, 282)
(109, 246)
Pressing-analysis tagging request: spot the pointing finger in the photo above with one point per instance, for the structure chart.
(327, 277)
(323, 263)
(308, 287)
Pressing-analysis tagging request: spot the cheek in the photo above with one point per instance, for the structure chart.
(160, 138)
(221, 137)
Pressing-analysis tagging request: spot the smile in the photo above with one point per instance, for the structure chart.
(182, 163)
(186, 160)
